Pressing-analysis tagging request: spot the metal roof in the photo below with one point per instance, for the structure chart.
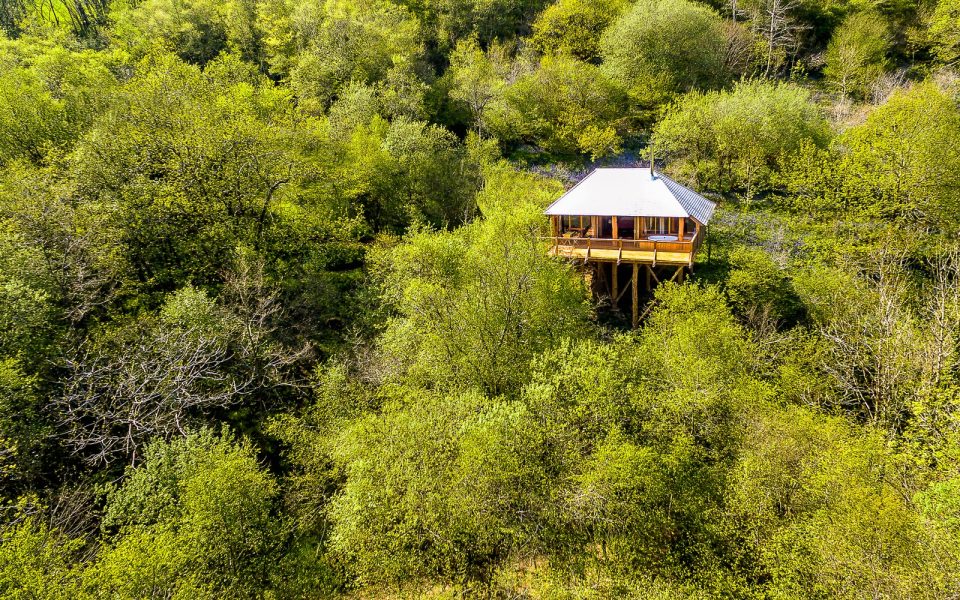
(632, 192)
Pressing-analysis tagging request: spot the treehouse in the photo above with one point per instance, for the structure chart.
(623, 221)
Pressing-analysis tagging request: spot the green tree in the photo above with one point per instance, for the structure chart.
(472, 306)
(37, 562)
(565, 106)
(436, 487)
(49, 94)
(574, 27)
(945, 31)
(736, 139)
(647, 50)
(856, 55)
(197, 30)
(903, 161)
(197, 513)
(344, 41)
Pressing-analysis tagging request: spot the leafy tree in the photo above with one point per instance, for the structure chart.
(945, 31)
(49, 95)
(565, 106)
(345, 41)
(856, 55)
(195, 357)
(197, 30)
(478, 77)
(735, 140)
(902, 161)
(22, 430)
(436, 486)
(472, 306)
(193, 164)
(829, 520)
(647, 50)
(760, 291)
(574, 27)
(196, 514)
(37, 562)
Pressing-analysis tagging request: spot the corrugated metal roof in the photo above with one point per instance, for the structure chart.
(696, 205)
(632, 192)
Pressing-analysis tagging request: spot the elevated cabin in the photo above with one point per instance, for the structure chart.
(632, 216)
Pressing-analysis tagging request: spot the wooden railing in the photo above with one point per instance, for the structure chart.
(643, 245)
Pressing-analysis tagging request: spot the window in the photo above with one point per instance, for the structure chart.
(660, 225)
(574, 224)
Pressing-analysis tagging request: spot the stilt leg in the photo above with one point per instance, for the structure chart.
(636, 295)
(613, 285)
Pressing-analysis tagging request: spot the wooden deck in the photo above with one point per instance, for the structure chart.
(642, 251)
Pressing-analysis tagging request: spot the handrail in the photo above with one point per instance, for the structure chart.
(690, 245)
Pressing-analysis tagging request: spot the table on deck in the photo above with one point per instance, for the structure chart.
(662, 238)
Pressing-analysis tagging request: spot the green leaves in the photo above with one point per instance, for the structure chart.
(734, 140)
(647, 50)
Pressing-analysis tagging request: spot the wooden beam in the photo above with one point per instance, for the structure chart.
(647, 310)
(636, 295)
(613, 280)
(680, 227)
(652, 273)
(616, 227)
(678, 273)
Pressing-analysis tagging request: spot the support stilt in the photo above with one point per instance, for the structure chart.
(636, 295)
(613, 284)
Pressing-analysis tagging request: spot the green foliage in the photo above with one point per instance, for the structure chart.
(202, 203)
(436, 486)
(829, 522)
(647, 50)
(344, 41)
(474, 305)
(945, 31)
(37, 563)
(196, 514)
(574, 27)
(856, 55)
(565, 107)
(197, 30)
(734, 140)
(22, 429)
(758, 289)
(48, 95)
(904, 158)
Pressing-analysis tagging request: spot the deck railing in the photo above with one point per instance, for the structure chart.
(643, 245)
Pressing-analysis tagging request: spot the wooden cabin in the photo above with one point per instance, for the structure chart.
(634, 217)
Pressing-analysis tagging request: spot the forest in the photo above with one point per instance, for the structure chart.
(277, 318)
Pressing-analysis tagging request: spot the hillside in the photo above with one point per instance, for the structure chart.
(278, 319)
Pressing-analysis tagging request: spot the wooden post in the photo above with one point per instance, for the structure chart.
(555, 226)
(635, 293)
(680, 229)
(647, 275)
(616, 227)
(613, 283)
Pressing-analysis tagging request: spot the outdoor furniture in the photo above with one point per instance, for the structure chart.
(662, 238)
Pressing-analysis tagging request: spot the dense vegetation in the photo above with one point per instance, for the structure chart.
(276, 320)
